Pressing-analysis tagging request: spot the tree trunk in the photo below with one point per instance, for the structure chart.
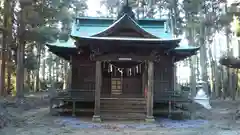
(4, 48)
(28, 80)
(225, 82)
(216, 72)
(203, 56)
(10, 41)
(57, 63)
(37, 79)
(229, 53)
(50, 71)
(192, 78)
(43, 65)
(150, 10)
(237, 80)
(65, 86)
(229, 70)
(9, 71)
(213, 75)
(20, 69)
(192, 62)
(20, 59)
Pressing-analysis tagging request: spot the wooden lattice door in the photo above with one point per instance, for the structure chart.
(116, 84)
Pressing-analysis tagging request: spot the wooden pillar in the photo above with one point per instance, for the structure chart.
(144, 75)
(175, 77)
(174, 81)
(150, 117)
(98, 83)
(70, 85)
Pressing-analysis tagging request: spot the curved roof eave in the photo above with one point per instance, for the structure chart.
(118, 23)
(70, 43)
(125, 41)
(62, 49)
(63, 52)
(182, 53)
(186, 49)
(176, 40)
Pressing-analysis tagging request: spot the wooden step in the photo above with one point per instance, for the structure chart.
(122, 102)
(125, 99)
(123, 106)
(124, 110)
(123, 116)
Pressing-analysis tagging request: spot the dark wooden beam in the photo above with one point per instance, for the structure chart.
(98, 85)
(150, 117)
(123, 57)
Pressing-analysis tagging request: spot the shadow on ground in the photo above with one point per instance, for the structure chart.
(160, 122)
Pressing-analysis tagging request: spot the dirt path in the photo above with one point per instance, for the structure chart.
(40, 123)
(37, 121)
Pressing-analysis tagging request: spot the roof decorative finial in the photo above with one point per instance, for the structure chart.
(126, 9)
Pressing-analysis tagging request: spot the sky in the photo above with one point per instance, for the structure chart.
(93, 7)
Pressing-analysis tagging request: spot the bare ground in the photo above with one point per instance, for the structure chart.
(32, 118)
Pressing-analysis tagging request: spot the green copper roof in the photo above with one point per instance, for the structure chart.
(70, 43)
(183, 52)
(96, 31)
(122, 23)
(62, 48)
(65, 48)
(91, 26)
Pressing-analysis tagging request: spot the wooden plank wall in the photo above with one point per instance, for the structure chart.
(163, 77)
(132, 85)
(83, 77)
(83, 74)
